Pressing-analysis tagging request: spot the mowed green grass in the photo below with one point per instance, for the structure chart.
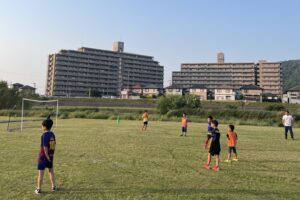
(98, 159)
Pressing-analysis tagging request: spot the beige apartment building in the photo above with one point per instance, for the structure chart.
(215, 75)
(78, 72)
(267, 75)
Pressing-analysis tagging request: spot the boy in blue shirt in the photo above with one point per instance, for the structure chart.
(209, 131)
(46, 155)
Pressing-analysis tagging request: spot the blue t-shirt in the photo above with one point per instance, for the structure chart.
(209, 128)
(47, 140)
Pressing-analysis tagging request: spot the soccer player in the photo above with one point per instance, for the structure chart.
(184, 123)
(287, 120)
(46, 155)
(145, 117)
(214, 146)
(209, 130)
(231, 140)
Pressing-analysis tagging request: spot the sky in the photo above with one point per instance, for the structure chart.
(172, 31)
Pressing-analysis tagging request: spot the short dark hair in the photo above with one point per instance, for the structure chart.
(231, 127)
(48, 123)
(210, 117)
(145, 110)
(184, 113)
(287, 112)
(215, 122)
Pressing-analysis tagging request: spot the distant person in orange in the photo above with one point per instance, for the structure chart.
(184, 123)
(145, 117)
(231, 140)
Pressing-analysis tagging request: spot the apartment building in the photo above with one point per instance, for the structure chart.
(78, 72)
(215, 75)
(267, 75)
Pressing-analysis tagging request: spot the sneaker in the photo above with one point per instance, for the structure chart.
(180, 135)
(235, 159)
(227, 161)
(37, 191)
(216, 168)
(54, 189)
(206, 166)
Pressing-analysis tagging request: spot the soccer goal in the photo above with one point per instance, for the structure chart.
(34, 111)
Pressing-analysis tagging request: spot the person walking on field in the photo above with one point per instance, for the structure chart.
(287, 121)
(145, 118)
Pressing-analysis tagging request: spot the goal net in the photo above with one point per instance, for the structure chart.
(33, 112)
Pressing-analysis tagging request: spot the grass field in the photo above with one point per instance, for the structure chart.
(98, 159)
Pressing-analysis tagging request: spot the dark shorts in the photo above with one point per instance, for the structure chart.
(214, 150)
(184, 129)
(44, 163)
(145, 123)
(231, 149)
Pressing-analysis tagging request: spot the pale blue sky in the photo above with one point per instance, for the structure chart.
(171, 31)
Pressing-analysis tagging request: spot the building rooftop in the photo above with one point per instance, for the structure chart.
(294, 89)
(198, 86)
(174, 87)
(250, 87)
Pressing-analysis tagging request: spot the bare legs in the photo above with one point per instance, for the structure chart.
(41, 177)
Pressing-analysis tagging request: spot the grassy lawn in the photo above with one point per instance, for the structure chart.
(98, 159)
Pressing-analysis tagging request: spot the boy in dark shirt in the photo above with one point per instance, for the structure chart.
(46, 155)
(214, 146)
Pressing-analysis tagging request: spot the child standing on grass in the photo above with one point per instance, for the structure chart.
(232, 140)
(145, 117)
(214, 146)
(46, 155)
(184, 123)
(209, 131)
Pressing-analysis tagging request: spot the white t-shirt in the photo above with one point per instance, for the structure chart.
(287, 120)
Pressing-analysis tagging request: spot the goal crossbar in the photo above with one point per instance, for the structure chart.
(38, 101)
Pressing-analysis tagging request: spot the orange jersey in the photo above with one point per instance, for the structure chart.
(232, 139)
(184, 121)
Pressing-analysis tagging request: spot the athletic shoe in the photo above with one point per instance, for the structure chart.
(181, 135)
(216, 168)
(37, 191)
(235, 159)
(206, 166)
(227, 161)
(54, 189)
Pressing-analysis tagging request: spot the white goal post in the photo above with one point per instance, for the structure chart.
(38, 101)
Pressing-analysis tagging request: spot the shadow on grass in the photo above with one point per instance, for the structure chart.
(180, 191)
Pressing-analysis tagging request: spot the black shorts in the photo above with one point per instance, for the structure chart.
(145, 123)
(44, 163)
(214, 150)
(231, 149)
(184, 129)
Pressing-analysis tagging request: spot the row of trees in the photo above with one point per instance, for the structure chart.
(10, 97)
(166, 104)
